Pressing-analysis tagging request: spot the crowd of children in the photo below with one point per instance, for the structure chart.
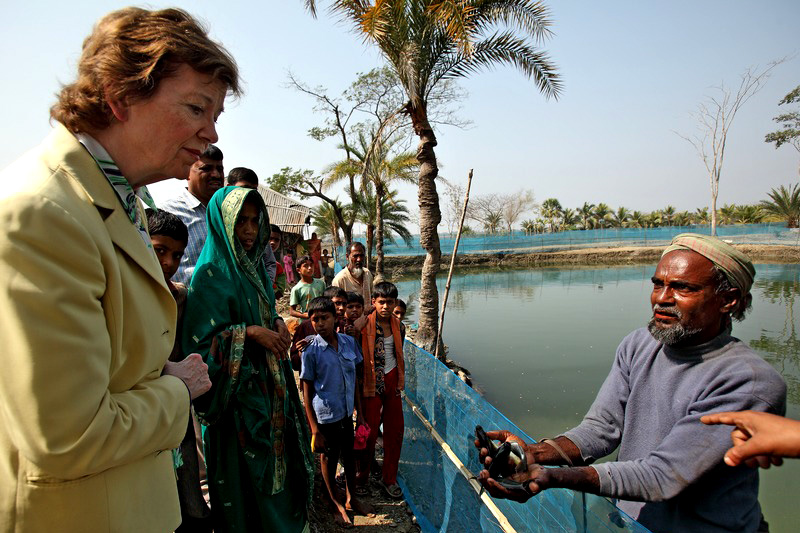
(351, 372)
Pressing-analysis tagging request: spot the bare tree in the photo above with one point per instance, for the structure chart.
(454, 198)
(486, 210)
(714, 117)
(515, 205)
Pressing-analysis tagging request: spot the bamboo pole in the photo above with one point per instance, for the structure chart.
(450, 272)
(503, 522)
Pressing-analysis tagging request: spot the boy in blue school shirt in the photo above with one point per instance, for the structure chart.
(329, 367)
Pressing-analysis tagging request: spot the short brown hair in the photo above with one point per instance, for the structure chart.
(128, 54)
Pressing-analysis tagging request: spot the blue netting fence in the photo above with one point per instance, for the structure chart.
(519, 242)
(441, 496)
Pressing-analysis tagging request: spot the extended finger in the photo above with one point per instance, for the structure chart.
(727, 417)
(500, 435)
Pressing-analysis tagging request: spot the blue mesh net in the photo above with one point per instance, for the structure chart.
(442, 498)
(519, 242)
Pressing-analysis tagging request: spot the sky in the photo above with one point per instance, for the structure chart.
(632, 73)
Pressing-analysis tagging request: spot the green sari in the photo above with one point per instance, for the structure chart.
(260, 465)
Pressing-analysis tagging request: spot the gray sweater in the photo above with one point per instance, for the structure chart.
(650, 406)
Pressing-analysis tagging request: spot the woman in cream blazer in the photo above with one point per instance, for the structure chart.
(88, 411)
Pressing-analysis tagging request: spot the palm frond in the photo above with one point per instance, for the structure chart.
(507, 48)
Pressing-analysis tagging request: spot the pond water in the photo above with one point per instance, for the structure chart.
(540, 342)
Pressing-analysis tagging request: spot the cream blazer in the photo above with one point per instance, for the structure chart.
(86, 324)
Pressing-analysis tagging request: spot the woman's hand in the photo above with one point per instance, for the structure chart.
(271, 340)
(280, 327)
(192, 371)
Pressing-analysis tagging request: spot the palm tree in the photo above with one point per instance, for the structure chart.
(601, 212)
(682, 218)
(748, 214)
(551, 210)
(638, 220)
(620, 218)
(492, 221)
(785, 203)
(380, 169)
(727, 214)
(586, 214)
(395, 217)
(568, 219)
(326, 222)
(426, 42)
(701, 216)
(528, 226)
(668, 214)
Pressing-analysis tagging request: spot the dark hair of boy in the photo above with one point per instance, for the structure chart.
(275, 229)
(321, 304)
(335, 292)
(353, 297)
(384, 289)
(242, 174)
(301, 260)
(400, 303)
(165, 223)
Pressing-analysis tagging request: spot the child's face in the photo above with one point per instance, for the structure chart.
(169, 253)
(341, 305)
(323, 323)
(274, 240)
(306, 270)
(354, 311)
(246, 228)
(383, 306)
(399, 312)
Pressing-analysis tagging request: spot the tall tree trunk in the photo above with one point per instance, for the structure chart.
(429, 218)
(370, 243)
(379, 192)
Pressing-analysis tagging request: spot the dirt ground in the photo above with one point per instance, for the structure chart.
(391, 516)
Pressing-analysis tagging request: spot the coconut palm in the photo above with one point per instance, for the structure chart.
(668, 215)
(638, 220)
(682, 218)
(601, 212)
(727, 214)
(784, 203)
(586, 214)
(528, 226)
(701, 216)
(620, 218)
(569, 218)
(426, 42)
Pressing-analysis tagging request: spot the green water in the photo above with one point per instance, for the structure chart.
(539, 344)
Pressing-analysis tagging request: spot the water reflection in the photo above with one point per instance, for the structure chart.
(781, 347)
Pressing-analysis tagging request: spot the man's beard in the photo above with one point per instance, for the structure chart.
(357, 271)
(674, 334)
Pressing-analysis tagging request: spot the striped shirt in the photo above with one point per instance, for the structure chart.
(126, 194)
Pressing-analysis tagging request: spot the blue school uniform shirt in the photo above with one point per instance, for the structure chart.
(333, 373)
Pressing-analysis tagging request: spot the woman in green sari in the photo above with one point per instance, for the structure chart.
(260, 466)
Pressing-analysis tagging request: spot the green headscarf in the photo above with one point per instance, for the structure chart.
(230, 290)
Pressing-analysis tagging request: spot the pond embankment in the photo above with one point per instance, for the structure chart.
(397, 266)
